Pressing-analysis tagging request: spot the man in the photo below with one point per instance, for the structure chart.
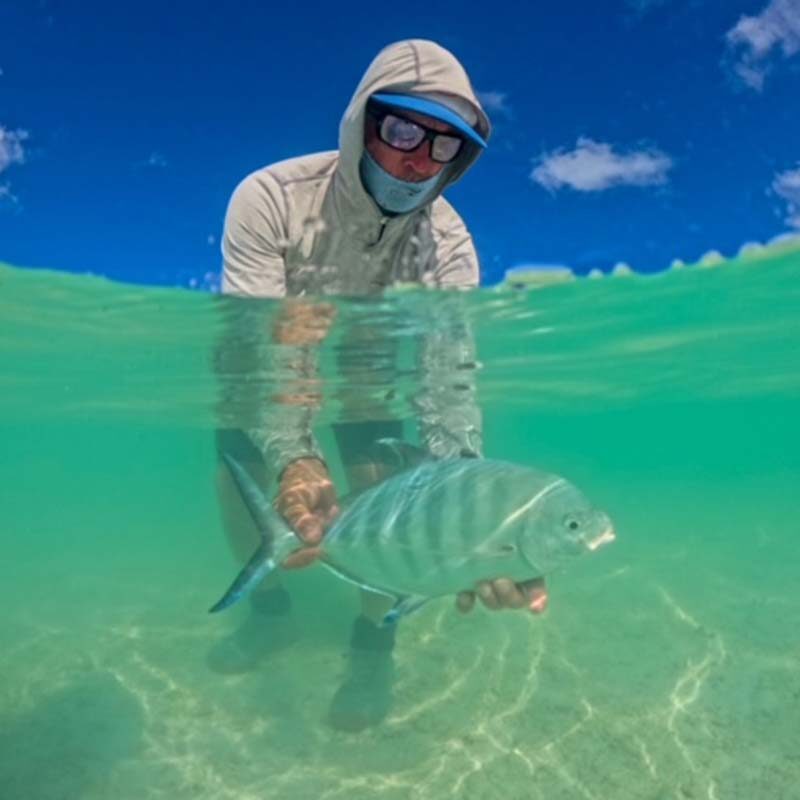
(355, 221)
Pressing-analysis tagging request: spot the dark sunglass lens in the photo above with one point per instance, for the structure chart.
(401, 133)
(445, 148)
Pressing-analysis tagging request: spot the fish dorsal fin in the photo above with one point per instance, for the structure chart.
(391, 457)
(399, 455)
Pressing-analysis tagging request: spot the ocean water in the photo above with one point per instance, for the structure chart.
(667, 665)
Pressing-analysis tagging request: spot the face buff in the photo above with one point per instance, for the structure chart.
(392, 194)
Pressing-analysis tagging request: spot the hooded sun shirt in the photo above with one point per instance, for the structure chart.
(308, 226)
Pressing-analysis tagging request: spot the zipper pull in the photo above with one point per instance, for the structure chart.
(382, 228)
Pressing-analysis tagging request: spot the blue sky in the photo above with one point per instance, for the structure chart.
(627, 130)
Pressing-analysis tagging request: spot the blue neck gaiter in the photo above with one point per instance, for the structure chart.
(392, 194)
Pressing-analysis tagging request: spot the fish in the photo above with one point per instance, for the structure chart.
(435, 529)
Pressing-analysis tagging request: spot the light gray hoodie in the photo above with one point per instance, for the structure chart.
(307, 226)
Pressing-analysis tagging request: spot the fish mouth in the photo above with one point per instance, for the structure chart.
(608, 535)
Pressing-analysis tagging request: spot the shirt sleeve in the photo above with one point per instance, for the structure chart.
(456, 263)
(254, 239)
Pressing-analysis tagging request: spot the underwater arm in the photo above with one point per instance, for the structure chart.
(272, 345)
(450, 426)
(267, 359)
(449, 417)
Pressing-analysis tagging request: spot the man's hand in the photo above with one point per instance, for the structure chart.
(504, 593)
(307, 500)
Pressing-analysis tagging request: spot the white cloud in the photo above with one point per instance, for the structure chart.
(211, 240)
(787, 186)
(495, 101)
(752, 40)
(594, 166)
(11, 149)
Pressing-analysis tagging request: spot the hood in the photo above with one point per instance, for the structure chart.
(411, 66)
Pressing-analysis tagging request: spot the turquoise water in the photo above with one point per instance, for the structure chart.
(667, 665)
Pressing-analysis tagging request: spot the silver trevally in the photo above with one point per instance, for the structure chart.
(436, 529)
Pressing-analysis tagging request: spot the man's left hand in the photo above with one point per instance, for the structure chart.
(504, 593)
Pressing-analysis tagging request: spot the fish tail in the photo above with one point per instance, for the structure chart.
(277, 538)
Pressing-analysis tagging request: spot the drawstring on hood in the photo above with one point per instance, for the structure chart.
(415, 66)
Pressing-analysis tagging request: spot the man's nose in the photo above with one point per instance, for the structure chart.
(420, 159)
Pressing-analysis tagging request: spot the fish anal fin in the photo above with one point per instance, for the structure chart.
(403, 607)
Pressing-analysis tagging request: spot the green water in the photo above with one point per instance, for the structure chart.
(668, 663)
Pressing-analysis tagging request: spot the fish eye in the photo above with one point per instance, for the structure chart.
(571, 522)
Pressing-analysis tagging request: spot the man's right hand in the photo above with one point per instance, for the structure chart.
(307, 501)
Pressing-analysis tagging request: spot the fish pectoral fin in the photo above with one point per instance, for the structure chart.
(404, 606)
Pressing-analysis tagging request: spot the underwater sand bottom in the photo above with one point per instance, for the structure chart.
(632, 686)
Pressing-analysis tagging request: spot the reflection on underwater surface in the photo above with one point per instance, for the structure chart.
(667, 665)
(79, 347)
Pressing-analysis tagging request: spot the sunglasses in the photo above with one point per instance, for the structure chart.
(401, 133)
